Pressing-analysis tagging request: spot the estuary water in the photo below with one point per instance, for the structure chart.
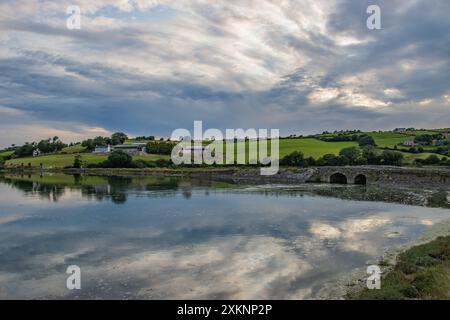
(173, 238)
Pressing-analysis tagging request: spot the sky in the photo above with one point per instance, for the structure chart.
(150, 67)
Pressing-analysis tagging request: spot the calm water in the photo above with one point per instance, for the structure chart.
(161, 238)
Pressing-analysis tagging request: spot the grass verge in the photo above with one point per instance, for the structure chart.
(421, 272)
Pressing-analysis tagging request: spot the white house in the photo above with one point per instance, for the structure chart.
(36, 152)
(410, 143)
(193, 149)
(102, 149)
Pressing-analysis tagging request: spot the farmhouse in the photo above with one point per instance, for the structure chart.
(193, 149)
(410, 143)
(102, 149)
(36, 153)
(133, 148)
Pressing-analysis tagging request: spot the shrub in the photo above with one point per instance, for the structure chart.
(351, 154)
(161, 147)
(295, 159)
(26, 150)
(432, 160)
(332, 160)
(371, 155)
(310, 161)
(119, 159)
(392, 158)
(77, 162)
(163, 163)
(365, 140)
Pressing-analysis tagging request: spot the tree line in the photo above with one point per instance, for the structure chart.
(351, 156)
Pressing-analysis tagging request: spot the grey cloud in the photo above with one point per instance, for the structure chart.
(119, 97)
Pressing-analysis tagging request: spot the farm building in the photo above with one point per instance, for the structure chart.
(102, 149)
(133, 148)
(410, 143)
(36, 153)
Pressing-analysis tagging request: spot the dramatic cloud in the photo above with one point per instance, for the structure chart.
(148, 67)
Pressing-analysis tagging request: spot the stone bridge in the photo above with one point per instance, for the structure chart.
(432, 178)
(380, 175)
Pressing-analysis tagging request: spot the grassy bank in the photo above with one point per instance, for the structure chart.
(422, 272)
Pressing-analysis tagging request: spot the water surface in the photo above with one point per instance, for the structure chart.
(168, 238)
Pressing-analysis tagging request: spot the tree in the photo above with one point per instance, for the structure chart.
(77, 162)
(119, 159)
(351, 153)
(296, 159)
(310, 161)
(365, 140)
(26, 150)
(101, 141)
(50, 145)
(160, 147)
(371, 154)
(118, 138)
(332, 160)
(90, 144)
(392, 158)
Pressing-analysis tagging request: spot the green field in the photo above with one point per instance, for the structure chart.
(6, 153)
(312, 147)
(317, 148)
(410, 157)
(55, 160)
(64, 160)
(390, 139)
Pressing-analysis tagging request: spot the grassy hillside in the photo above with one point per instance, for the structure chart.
(55, 160)
(410, 157)
(310, 147)
(390, 139)
(6, 153)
